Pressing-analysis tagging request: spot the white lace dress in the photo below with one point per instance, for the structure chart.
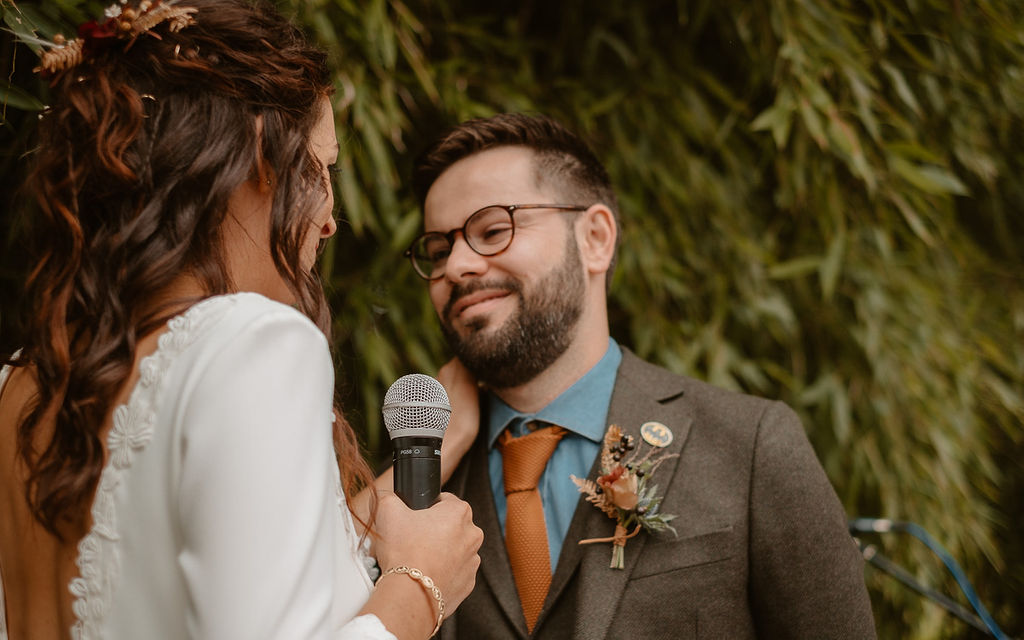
(219, 513)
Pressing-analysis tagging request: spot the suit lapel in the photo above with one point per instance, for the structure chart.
(642, 393)
(494, 563)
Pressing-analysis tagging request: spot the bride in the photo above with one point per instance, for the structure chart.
(171, 461)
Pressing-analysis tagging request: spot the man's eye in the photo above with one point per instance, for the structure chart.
(495, 233)
(435, 248)
(438, 254)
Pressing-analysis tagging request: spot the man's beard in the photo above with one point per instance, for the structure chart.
(533, 337)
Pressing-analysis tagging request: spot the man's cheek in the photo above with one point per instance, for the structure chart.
(439, 304)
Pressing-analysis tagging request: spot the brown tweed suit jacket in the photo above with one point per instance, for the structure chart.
(762, 548)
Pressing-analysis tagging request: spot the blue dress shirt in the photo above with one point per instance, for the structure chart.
(583, 410)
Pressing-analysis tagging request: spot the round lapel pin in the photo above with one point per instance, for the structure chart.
(656, 434)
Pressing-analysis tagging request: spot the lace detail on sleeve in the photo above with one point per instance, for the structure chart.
(360, 547)
(98, 558)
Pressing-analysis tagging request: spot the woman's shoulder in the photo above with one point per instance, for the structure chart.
(236, 330)
(242, 307)
(232, 316)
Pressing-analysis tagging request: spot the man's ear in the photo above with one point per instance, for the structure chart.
(596, 235)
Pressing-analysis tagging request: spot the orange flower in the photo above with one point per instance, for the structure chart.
(621, 488)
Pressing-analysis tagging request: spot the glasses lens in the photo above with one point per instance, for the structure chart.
(489, 231)
(430, 253)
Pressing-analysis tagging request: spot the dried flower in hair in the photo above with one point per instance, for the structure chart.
(60, 58)
(177, 17)
(95, 36)
(122, 23)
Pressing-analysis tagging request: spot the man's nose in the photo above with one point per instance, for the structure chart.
(462, 261)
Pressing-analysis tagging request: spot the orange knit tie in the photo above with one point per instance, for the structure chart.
(526, 536)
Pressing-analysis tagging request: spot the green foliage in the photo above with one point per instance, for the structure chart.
(819, 204)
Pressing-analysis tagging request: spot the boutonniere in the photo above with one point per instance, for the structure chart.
(623, 491)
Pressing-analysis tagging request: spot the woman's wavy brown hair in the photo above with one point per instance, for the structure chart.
(137, 157)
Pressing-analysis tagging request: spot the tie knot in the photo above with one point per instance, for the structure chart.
(523, 459)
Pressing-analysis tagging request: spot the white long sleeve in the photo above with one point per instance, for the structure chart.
(219, 513)
(255, 487)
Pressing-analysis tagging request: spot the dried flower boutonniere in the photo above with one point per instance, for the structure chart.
(623, 493)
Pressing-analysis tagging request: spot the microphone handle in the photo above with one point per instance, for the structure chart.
(417, 470)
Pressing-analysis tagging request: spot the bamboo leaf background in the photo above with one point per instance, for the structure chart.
(820, 203)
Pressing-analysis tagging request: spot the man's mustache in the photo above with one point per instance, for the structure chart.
(461, 290)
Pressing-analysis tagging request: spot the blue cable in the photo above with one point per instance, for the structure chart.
(882, 525)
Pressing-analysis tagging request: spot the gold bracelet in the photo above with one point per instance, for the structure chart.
(428, 586)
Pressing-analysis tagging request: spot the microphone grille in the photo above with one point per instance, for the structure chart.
(416, 405)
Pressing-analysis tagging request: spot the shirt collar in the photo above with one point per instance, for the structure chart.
(582, 408)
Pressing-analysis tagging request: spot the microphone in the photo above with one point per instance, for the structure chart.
(416, 412)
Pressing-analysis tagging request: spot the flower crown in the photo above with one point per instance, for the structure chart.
(122, 23)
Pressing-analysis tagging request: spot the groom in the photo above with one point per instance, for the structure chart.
(521, 232)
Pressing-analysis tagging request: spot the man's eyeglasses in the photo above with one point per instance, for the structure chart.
(488, 232)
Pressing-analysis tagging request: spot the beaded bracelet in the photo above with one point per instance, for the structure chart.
(428, 586)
